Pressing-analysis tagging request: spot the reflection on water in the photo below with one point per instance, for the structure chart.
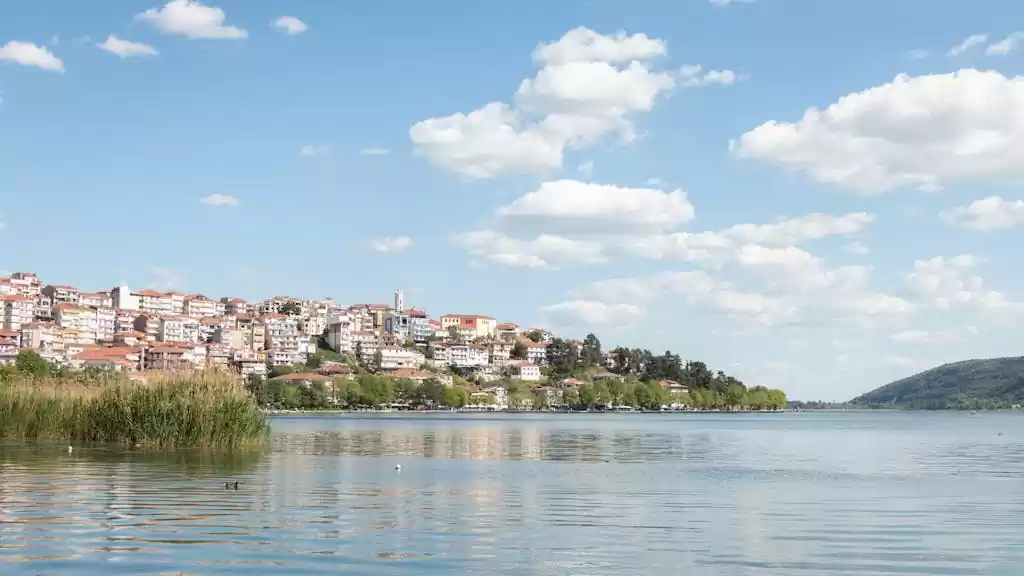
(574, 494)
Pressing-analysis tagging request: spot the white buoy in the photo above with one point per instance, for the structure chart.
(398, 466)
(69, 449)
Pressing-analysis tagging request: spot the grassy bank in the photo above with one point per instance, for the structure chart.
(205, 410)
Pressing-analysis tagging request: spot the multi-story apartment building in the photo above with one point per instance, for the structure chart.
(42, 337)
(283, 335)
(153, 302)
(10, 341)
(172, 329)
(177, 302)
(394, 357)
(124, 321)
(471, 325)
(199, 306)
(6, 288)
(26, 284)
(106, 323)
(167, 358)
(148, 324)
(256, 332)
(43, 310)
(507, 330)
(124, 299)
(96, 300)
(235, 306)
(397, 324)
(468, 355)
(18, 310)
(500, 351)
(78, 320)
(536, 352)
(277, 357)
(62, 294)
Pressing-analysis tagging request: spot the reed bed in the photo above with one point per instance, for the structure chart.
(187, 411)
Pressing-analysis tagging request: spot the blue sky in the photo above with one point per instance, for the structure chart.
(594, 190)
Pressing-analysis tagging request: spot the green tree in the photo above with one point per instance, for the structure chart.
(275, 371)
(562, 358)
(378, 359)
(455, 397)
(592, 355)
(291, 309)
(535, 335)
(454, 334)
(519, 350)
(30, 362)
(571, 397)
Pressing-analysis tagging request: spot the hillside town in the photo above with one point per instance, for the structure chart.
(317, 342)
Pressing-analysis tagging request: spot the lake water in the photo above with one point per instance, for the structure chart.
(786, 495)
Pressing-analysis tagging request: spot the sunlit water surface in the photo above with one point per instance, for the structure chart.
(785, 495)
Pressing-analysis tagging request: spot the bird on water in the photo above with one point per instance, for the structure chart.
(231, 485)
(398, 466)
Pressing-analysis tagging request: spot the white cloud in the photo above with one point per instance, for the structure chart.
(165, 278)
(693, 78)
(545, 251)
(967, 44)
(125, 48)
(390, 244)
(220, 200)
(922, 131)
(917, 54)
(319, 150)
(1005, 46)
(586, 169)
(290, 25)
(594, 313)
(374, 151)
(655, 181)
(856, 248)
(722, 3)
(901, 361)
(718, 246)
(946, 283)
(795, 287)
(28, 54)
(584, 45)
(192, 19)
(589, 85)
(988, 214)
(571, 203)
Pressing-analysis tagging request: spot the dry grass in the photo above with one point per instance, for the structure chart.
(196, 410)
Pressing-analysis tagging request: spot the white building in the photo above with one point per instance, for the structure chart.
(500, 397)
(124, 299)
(537, 352)
(76, 320)
(172, 329)
(18, 310)
(153, 302)
(468, 355)
(106, 323)
(394, 357)
(199, 306)
(527, 371)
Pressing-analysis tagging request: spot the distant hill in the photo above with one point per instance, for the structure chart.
(966, 385)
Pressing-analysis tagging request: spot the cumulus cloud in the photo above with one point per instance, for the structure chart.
(28, 54)
(220, 200)
(718, 245)
(126, 48)
(576, 205)
(922, 131)
(947, 283)
(694, 77)
(589, 85)
(390, 244)
(590, 312)
(290, 25)
(968, 43)
(192, 19)
(988, 214)
(544, 251)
